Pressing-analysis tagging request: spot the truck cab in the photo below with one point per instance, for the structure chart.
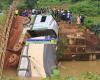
(44, 25)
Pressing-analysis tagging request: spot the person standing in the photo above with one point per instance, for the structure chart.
(50, 12)
(69, 17)
(16, 12)
(33, 11)
(55, 12)
(96, 29)
(82, 19)
(59, 15)
(62, 14)
(78, 20)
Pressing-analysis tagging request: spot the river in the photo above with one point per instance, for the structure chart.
(76, 68)
(12, 73)
(67, 68)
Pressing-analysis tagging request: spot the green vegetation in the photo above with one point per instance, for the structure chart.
(2, 19)
(49, 3)
(61, 47)
(4, 4)
(39, 3)
(24, 4)
(6, 78)
(89, 8)
(86, 76)
(56, 76)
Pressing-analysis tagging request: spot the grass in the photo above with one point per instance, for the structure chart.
(95, 19)
(2, 25)
(86, 76)
(6, 78)
(49, 3)
(2, 19)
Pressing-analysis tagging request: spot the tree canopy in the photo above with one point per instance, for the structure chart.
(4, 4)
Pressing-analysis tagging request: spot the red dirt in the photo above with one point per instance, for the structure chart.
(72, 30)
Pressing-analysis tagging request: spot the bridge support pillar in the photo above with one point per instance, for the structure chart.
(94, 56)
(90, 57)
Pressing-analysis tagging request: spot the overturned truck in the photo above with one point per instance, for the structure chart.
(38, 56)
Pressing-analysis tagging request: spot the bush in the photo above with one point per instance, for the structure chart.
(2, 19)
(90, 76)
(76, 0)
(61, 47)
(4, 4)
(27, 4)
(50, 3)
(86, 76)
(6, 78)
(87, 8)
(89, 23)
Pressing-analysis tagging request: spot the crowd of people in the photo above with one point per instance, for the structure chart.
(58, 14)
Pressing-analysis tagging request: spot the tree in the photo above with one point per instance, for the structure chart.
(4, 4)
(31, 3)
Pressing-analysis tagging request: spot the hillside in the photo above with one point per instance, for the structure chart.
(88, 8)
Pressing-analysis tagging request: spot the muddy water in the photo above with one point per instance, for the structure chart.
(76, 68)
(71, 68)
(12, 73)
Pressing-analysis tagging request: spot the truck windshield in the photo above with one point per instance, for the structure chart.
(37, 33)
(43, 18)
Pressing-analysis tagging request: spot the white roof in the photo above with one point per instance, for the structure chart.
(49, 23)
(43, 25)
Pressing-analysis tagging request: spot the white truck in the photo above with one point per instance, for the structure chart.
(44, 25)
(38, 57)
